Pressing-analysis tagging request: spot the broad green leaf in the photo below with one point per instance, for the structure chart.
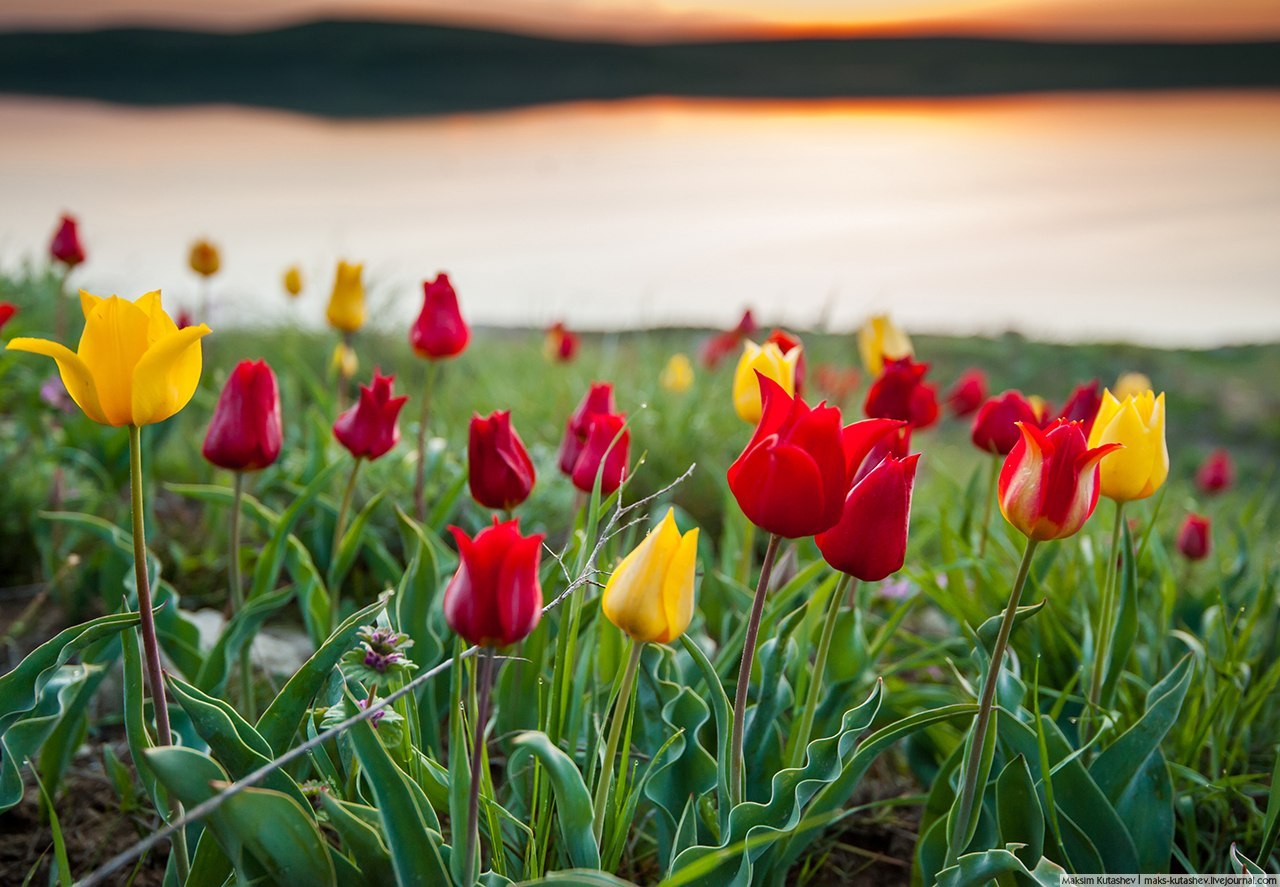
(360, 839)
(1018, 814)
(573, 801)
(578, 878)
(238, 632)
(724, 719)
(980, 869)
(22, 739)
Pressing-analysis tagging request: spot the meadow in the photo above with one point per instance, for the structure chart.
(855, 730)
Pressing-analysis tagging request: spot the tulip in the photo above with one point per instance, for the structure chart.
(1131, 383)
(677, 375)
(245, 431)
(7, 310)
(1041, 408)
(995, 428)
(133, 366)
(1138, 423)
(1195, 538)
(786, 342)
(494, 599)
(439, 332)
(597, 401)
(560, 345)
(901, 393)
(869, 542)
(721, 345)
(1082, 405)
(346, 304)
(608, 444)
(204, 258)
(184, 319)
(65, 246)
(1049, 483)
(879, 340)
(792, 478)
(1216, 473)
(650, 593)
(501, 473)
(757, 361)
(369, 428)
(293, 281)
(967, 394)
(344, 361)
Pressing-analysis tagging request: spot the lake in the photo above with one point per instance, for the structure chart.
(1153, 218)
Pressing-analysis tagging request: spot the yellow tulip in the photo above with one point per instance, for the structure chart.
(346, 305)
(769, 361)
(677, 375)
(344, 362)
(293, 281)
(650, 594)
(133, 365)
(1139, 469)
(1131, 383)
(880, 340)
(204, 258)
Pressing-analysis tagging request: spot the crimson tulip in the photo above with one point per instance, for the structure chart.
(869, 542)
(246, 429)
(1195, 538)
(7, 310)
(439, 332)
(600, 448)
(561, 345)
(1049, 483)
(967, 394)
(369, 428)
(597, 401)
(721, 345)
(494, 599)
(501, 473)
(65, 246)
(1216, 473)
(995, 428)
(786, 342)
(901, 393)
(1083, 404)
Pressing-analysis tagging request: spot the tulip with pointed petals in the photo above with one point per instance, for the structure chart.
(650, 594)
(346, 312)
(65, 246)
(762, 361)
(869, 542)
(1195, 538)
(901, 393)
(7, 310)
(597, 401)
(879, 341)
(1216, 473)
(606, 452)
(786, 342)
(494, 599)
(967, 394)
(369, 428)
(245, 432)
(500, 471)
(721, 345)
(995, 428)
(1049, 483)
(204, 258)
(561, 345)
(439, 332)
(677, 375)
(293, 281)
(1137, 421)
(1131, 383)
(1082, 405)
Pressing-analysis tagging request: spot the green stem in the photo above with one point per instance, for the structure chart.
(992, 476)
(744, 671)
(340, 527)
(615, 734)
(961, 830)
(147, 623)
(420, 470)
(237, 602)
(484, 680)
(1106, 617)
(800, 742)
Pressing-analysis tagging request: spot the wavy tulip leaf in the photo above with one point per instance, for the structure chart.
(980, 869)
(361, 840)
(71, 728)
(573, 801)
(1242, 864)
(238, 632)
(578, 878)
(278, 832)
(724, 720)
(24, 737)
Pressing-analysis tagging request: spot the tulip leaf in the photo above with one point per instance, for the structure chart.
(988, 630)
(344, 557)
(239, 631)
(578, 878)
(724, 720)
(361, 839)
(1242, 864)
(271, 558)
(1018, 815)
(980, 869)
(25, 736)
(573, 801)
(1126, 625)
(69, 733)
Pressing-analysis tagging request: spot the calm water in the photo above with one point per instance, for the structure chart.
(1153, 218)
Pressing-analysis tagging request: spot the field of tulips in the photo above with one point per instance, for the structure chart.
(672, 607)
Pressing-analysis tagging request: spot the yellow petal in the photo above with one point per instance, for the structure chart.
(1107, 411)
(160, 324)
(114, 340)
(88, 301)
(1126, 473)
(677, 587)
(75, 374)
(167, 375)
(769, 361)
(1160, 466)
(632, 598)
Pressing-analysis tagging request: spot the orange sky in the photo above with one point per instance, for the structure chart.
(677, 19)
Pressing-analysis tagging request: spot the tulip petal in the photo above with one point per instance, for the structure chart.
(75, 374)
(167, 375)
(113, 342)
(677, 587)
(632, 598)
(88, 301)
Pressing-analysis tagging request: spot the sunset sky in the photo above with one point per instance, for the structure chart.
(690, 19)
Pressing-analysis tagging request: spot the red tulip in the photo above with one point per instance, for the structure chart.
(901, 393)
(501, 472)
(1195, 537)
(1216, 473)
(184, 319)
(721, 345)
(601, 447)
(7, 310)
(439, 332)
(369, 428)
(1082, 405)
(785, 342)
(968, 393)
(1048, 485)
(245, 431)
(561, 345)
(792, 477)
(597, 401)
(870, 540)
(65, 246)
(494, 599)
(995, 428)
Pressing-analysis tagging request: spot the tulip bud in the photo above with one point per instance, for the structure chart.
(1082, 405)
(601, 448)
(650, 594)
(1217, 472)
(293, 281)
(995, 428)
(246, 429)
(204, 258)
(439, 332)
(1049, 484)
(1131, 384)
(768, 362)
(968, 393)
(344, 361)
(495, 599)
(346, 303)
(677, 375)
(65, 246)
(597, 401)
(901, 393)
(786, 342)
(879, 340)
(501, 473)
(7, 310)
(869, 542)
(1138, 423)
(1195, 537)
(369, 429)
(560, 345)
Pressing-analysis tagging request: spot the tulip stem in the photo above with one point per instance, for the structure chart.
(615, 735)
(744, 671)
(147, 623)
(484, 681)
(993, 476)
(340, 527)
(962, 831)
(237, 601)
(800, 741)
(1106, 606)
(420, 470)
